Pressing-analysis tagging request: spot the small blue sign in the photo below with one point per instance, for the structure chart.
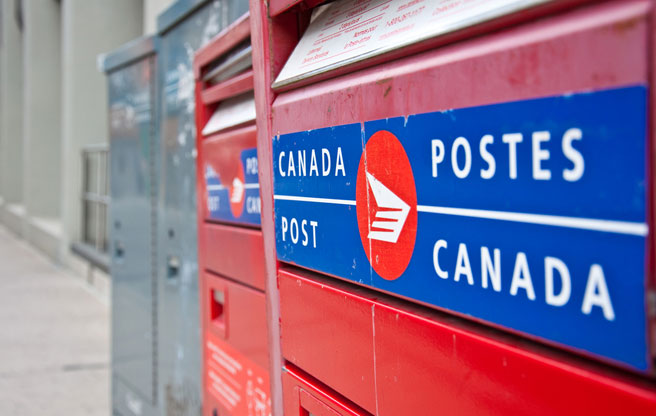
(235, 199)
(530, 215)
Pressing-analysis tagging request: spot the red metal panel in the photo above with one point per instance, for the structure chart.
(227, 39)
(304, 396)
(452, 369)
(329, 334)
(244, 318)
(593, 47)
(233, 86)
(233, 252)
(272, 41)
(427, 362)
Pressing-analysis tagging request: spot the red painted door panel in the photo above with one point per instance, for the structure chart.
(328, 334)
(426, 362)
(234, 252)
(236, 314)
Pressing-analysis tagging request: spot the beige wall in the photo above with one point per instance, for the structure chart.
(152, 8)
(89, 29)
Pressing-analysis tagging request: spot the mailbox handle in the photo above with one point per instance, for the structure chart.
(119, 251)
(172, 267)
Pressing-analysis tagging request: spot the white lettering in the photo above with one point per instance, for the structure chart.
(489, 270)
(280, 156)
(301, 163)
(314, 224)
(596, 293)
(512, 139)
(325, 162)
(305, 235)
(436, 264)
(339, 164)
(462, 265)
(576, 172)
(284, 227)
(436, 158)
(293, 234)
(487, 157)
(461, 142)
(539, 155)
(291, 171)
(551, 264)
(521, 269)
(313, 163)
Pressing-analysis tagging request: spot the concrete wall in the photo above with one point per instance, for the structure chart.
(53, 103)
(41, 103)
(11, 117)
(90, 27)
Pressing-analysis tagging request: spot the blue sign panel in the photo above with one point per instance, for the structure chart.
(529, 215)
(235, 199)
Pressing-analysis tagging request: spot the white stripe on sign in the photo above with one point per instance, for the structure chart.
(221, 187)
(310, 199)
(608, 226)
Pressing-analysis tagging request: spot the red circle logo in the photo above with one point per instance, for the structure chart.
(236, 190)
(386, 205)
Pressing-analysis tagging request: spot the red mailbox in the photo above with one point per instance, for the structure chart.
(458, 197)
(231, 257)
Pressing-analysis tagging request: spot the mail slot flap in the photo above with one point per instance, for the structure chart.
(328, 333)
(231, 112)
(236, 314)
(567, 74)
(230, 171)
(347, 32)
(234, 252)
(225, 44)
(429, 360)
(302, 395)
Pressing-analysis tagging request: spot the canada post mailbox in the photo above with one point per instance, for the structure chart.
(479, 163)
(235, 353)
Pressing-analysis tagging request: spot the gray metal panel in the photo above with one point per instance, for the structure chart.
(134, 50)
(176, 13)
(132, 225)
(179, 329)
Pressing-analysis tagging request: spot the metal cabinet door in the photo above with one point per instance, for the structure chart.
(184, 28)
(131, 224)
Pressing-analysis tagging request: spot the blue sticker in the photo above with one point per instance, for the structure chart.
(238, 200)
(530, 215)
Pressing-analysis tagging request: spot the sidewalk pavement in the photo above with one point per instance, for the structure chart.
(54, 338)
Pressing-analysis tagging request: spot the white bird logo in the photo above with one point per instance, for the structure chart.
(392, 212)
(237, 191)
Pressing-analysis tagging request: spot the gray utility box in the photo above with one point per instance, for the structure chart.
(134, 172)
(156, 351)
(183, 28)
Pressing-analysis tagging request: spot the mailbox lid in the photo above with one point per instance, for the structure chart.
(569, 57)
(302, 395)
(234, 252)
